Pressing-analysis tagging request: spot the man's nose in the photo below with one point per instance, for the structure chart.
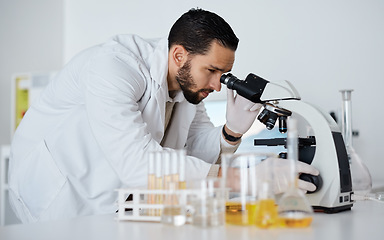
(215, 83)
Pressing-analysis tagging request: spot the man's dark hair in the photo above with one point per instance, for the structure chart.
(196, 29)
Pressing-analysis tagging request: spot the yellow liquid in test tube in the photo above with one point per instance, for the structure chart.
(151, 197)
(159, 181)
(167, 181)
(159, 197)
(151, 183)
(182, 185)
(181, 170)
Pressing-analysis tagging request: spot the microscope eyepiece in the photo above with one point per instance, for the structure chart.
(225, 78)
(251, 88)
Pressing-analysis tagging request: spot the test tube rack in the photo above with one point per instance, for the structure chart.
(142, 210)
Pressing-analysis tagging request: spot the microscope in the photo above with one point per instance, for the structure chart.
(325, 150)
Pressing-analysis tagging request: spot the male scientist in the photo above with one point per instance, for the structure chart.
(89, 132)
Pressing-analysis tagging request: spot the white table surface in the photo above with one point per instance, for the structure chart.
(364, 221)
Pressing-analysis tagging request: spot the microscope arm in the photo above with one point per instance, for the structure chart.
(283, 90)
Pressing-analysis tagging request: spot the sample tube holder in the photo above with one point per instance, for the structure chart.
(141, 210)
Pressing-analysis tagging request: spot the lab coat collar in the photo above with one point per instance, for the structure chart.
(179, 97)
(159, 69)
(159, 63)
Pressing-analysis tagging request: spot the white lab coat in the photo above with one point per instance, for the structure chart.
(88, 133)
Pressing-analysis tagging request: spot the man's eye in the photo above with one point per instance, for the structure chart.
(212, 70)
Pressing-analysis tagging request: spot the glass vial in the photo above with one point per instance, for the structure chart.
(151, 181)
(173, 212)
(181, 169)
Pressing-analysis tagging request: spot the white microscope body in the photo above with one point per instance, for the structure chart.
(330, 155)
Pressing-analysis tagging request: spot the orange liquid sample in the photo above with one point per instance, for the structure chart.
(151, 197)
(239, 215)
(266, 215)
(182, 185)
(295, 220)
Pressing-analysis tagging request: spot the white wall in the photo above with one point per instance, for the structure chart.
(31, 39)
(320, 46)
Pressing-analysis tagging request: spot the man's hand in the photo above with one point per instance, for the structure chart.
(277, 169)
(241, 113)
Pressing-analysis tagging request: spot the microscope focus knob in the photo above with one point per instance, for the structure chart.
(317, 180)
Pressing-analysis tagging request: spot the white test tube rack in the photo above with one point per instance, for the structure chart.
(140, 207)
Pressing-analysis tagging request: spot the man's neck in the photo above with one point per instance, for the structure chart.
(172, 93)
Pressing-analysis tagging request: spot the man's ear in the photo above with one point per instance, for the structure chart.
(179, 55)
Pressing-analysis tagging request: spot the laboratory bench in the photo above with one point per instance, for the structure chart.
(364, 221)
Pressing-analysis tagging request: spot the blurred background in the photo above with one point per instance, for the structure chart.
(321, 47)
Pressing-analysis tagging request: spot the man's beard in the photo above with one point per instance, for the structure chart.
(185, 80)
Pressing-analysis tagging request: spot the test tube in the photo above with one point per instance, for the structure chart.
(167, 176)
(151, 180)
(181, 169)
(151, 171)
(175, 166)
(159, 180)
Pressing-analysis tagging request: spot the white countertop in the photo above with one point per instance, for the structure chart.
(365, 220)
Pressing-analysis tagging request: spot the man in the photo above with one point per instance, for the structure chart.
(89, 132)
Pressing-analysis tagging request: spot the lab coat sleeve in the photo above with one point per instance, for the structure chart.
(203, 138)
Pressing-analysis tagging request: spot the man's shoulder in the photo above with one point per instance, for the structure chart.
(135, 43)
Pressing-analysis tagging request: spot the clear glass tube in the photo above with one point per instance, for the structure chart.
(294, 208)
(361, 178)
(181, 169)
(151, 181)
(159, 180)
(173, 212)
(346, 117)
(208, 203)
(167, 176)
(175, 166)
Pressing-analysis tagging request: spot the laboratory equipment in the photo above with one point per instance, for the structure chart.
(181, 155)
(377, 197)
(159, 180)
(251, 198)
(174, 213)
(361, 178)
(325, 150)
(151, 181)
(266, 214)
(208, 202)
(164, 169)
(165, 198)
(294, 208)
(139, 208)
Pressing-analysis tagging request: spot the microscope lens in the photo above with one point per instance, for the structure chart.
(270, 123)
(283, 124)
(263, 116)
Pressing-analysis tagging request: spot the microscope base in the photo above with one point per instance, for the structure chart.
(332, 210)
